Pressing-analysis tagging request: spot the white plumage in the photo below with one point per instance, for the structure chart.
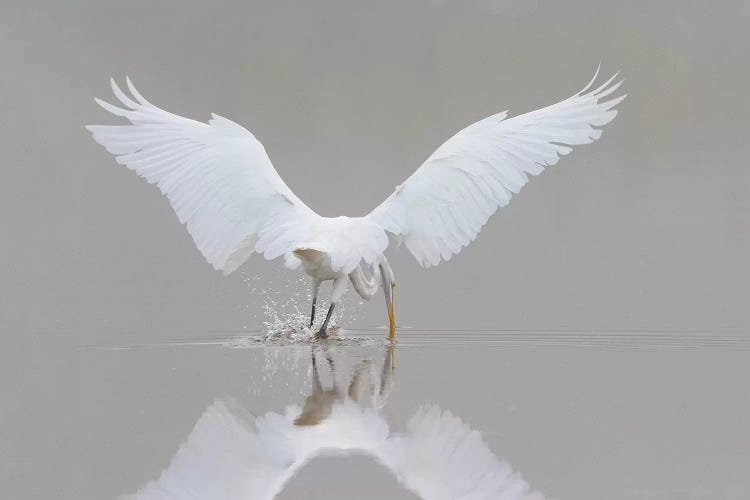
(232, 455)
(444, 204)
(222, 185)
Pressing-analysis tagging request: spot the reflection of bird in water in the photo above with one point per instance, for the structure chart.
(319, 405)
(223, 186)
(231, 455)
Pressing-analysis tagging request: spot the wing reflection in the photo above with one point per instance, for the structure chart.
(232, 455)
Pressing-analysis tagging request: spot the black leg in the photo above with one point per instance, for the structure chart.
(317, 386)
(323, 333)
(312, 315)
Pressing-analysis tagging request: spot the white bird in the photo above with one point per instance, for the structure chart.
(223, 187)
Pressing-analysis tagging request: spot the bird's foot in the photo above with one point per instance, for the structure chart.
(322, 334)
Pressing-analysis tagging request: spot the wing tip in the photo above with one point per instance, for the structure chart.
(593, 79)
(604, 89)
(134, 92)
(122, 96)
(101, 102)
(115, 110)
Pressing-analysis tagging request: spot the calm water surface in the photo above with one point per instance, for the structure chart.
(483, 414)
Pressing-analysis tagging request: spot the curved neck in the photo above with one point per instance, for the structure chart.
(366, 286)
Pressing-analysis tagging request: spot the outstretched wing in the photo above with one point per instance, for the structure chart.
(442, 458)
(223, 457)
(216, 175)
(444, 204)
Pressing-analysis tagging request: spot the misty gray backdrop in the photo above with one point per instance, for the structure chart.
(645, 229)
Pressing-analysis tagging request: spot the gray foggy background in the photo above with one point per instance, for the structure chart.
(646, 229)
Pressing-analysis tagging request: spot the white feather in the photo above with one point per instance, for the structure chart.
(222, 185)
(444, 204)
(224, 457)
(231, 455)
(442, 458)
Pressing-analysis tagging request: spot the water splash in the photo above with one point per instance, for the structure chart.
(285, 306)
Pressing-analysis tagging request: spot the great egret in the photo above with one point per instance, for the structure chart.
(223, 186)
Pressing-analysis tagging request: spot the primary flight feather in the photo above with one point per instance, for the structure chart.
(224, 188)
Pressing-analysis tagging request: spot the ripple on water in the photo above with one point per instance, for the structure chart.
(302, 335)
